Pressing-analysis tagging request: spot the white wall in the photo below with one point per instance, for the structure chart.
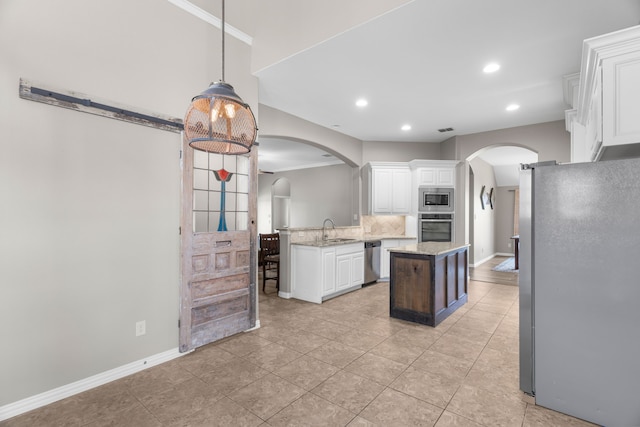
(395, 151)
(505, 199)
(484, 219)
(316, 194)
(90, 207)
(550, 140)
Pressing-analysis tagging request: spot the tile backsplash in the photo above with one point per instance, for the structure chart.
(383, 224)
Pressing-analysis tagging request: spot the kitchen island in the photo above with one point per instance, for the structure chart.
(428, 281)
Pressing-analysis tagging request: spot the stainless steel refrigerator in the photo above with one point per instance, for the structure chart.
(580, 289)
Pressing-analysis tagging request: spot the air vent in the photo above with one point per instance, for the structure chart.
(327, 155)
(445, 130)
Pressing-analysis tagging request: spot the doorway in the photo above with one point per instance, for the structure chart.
(280, 204)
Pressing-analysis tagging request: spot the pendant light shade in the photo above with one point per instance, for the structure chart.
(218, 121)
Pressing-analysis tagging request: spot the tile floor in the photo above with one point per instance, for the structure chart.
(342, 363)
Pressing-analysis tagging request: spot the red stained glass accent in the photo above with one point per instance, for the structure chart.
(222, 175)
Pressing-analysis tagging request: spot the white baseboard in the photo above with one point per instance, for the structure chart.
(285, 295)
(490, 257)
(255, 327)
(42, 399)
(482, 261)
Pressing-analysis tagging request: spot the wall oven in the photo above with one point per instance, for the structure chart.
(434, 199)
(435, 227)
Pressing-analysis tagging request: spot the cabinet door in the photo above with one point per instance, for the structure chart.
(401, 192)
(343, 268)
(382, 191)
(621, 99)
(445, 176)
(328, 272)
(427, 176)
(357, 269)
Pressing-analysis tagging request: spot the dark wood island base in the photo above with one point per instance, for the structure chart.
(428, 281)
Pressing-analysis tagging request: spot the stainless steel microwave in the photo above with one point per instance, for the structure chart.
(434, 199)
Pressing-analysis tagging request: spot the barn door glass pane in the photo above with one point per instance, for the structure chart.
(220, 192)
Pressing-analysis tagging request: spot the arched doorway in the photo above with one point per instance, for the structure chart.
(492, 182)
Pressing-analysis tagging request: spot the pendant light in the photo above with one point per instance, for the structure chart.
(218, 121)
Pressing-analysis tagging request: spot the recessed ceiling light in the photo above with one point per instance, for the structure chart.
(512, 107)
(362, 102)
(491, 68)
(406, 127)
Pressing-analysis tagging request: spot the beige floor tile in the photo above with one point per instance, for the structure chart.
(325, 328)
(136, 416)
(417, 337)
(272, 357)
(233, 375)
(157, 378)
(361, 422)
(391, 350)
(302, 341)
(359, 339)
(392, 408)
(383, 327)
(267, 396)
(307, 372)
(311, 410)
(434, 388)
(537, 416)
(487, 407)
(348, 390)
(449, 419)
(336, 354)
(243, 344)
(182, 400)
(204, 359)
(376, 368)
(443, 364)
(471, 334)
(504, 343)
(458, 347)
(223, 413)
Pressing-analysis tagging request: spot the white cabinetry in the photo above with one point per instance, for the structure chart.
(605, 125)
(437, 176)
(434, 173)
(349, 268)
(387, 188)
(323, 272)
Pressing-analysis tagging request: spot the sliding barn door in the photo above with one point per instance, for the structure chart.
(218, 290)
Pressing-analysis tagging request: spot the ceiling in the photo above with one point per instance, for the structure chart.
(422, 64)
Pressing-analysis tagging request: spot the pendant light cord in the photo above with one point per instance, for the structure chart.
(223, 40)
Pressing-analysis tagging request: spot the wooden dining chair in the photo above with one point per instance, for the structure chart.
(270, 256)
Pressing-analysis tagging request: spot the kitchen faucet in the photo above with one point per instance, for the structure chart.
(324, 224)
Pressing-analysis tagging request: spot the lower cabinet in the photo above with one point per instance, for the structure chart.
(320, 273)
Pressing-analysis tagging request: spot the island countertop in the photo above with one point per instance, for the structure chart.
(429, 248)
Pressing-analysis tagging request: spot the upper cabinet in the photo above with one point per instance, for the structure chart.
(386, 188)
(605, 124)
(434, 173)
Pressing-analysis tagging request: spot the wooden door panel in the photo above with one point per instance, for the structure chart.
(218, 291)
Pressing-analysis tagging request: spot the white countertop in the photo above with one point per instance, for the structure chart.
(429, 248)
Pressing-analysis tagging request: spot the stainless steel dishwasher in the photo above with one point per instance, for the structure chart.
(372, 250)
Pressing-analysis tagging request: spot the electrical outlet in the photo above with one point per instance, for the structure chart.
(300, 233)
(355, 217)
(141, 328)
(509, 245)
